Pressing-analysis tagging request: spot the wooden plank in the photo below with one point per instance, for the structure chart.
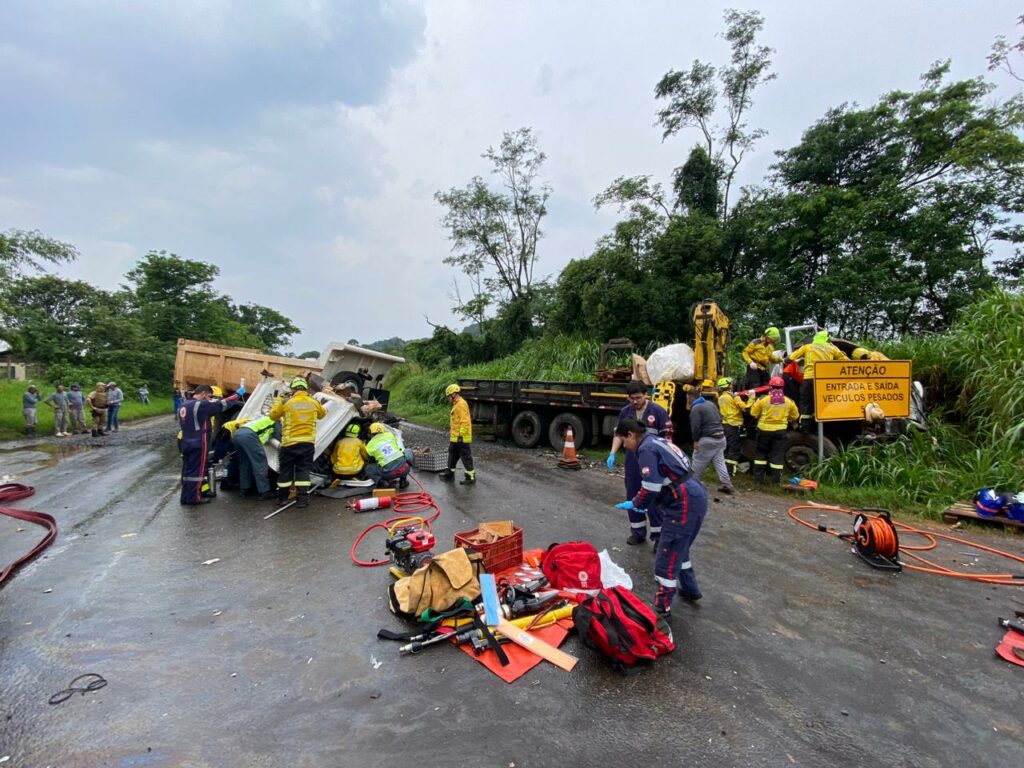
(546, 651)
(964, 511)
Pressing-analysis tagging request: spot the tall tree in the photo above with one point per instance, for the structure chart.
(495, 231)
(20, 249)
(697, 96)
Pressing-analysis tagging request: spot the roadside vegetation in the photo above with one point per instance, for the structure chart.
(12, 425)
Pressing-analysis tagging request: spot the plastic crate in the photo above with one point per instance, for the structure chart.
(499, 555)
(430, 462)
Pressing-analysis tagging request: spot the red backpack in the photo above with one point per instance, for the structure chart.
(624, 628)
(573, 565)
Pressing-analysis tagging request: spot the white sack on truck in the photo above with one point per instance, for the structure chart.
(672, 363)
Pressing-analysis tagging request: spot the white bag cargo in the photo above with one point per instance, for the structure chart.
(672, 363)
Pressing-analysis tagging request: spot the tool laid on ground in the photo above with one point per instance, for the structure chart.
(875, 539)
(96, 681)
(408, 505)
(409, 544)
(316, 486)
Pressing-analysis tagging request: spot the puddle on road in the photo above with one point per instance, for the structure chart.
(16, 461)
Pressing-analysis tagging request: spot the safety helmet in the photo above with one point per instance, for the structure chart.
(217, 391)
(299, 383)
(724, 383)
(821, 337)
(352, 430)
(707, 384)
(452, 389)
(772, 333)
(860, 354)
(776, 381)
(376, 428)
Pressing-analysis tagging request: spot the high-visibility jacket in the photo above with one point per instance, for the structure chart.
(298, 416)
(732, 408)
(461, 424)
(774, 418)
(349, 456)
(384, 449)
(816, 353)
(759, 351)
(263, 427)
(867, 354)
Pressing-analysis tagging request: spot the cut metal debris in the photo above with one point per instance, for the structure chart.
(211, 562)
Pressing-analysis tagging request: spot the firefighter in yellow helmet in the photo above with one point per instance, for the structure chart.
(817, 351)
(860, 353)
(349, 455)
(389, 464)
(759, 355)
(298, 416)
(732, 409)
(460, 436)
(774, 413)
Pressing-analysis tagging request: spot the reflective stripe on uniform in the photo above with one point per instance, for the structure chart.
(193, 479)
(686, 566)
(655, 529)
(647, 485)
(670, 583)
(641, 524)
(302, 483)
(284, 484)
(777, 466)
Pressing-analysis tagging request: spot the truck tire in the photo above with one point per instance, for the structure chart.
(556, 432)
(802, 451)
(528, 428)
(348, 378)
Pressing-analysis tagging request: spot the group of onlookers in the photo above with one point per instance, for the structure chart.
(69, 408)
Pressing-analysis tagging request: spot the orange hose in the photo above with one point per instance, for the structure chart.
(932, 539)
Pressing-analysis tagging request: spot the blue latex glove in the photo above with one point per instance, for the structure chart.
(611, 462)
(626, 505)
(240, 391)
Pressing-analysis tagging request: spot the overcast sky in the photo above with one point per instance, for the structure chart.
(297, 144)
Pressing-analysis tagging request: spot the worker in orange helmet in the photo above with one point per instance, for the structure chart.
(774, 413)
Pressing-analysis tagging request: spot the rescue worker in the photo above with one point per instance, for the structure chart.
(860, 353)
(774, 413)
(114, 399)
(248, 440)
(59, 402)
(76, 404)
(389, 462)
(759, 355)
(669, 485)
(460, 437)
(657, 422)
(817, 351)
(349, 456)
(731, 407)
(98, 404)
(708, 436)
(194, 418)
(298, 416)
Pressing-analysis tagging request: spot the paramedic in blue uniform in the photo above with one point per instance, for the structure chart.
(194, 418)
(669, 485)
(657, 422)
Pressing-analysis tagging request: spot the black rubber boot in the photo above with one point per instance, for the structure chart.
(635, 539)
(468, 479)
(447, 475)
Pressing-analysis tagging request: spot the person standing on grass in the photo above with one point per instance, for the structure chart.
(76, 407)
(114, 399)
(708, 435)
(29, 401)
(59, 402)
(144, 394)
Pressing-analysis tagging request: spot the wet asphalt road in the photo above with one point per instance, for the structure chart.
(798, 655)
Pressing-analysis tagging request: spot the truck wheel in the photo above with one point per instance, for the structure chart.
(561, 422)
(528, 428)
(802, 451)
(350, 379)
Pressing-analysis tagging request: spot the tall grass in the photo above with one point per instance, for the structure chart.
(974, 375)
(12, 424)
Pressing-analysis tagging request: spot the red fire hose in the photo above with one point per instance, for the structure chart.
(13, 492)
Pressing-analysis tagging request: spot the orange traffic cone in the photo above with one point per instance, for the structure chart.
(569, 460)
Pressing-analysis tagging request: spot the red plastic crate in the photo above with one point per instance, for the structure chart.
(499, 555)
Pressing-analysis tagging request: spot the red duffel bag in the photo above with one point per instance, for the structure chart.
(572, 565)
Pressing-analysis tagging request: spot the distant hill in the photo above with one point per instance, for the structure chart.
(392, 346)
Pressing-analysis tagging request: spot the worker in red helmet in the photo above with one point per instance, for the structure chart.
(774, 413)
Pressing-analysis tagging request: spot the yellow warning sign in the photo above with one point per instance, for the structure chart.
(842, 388)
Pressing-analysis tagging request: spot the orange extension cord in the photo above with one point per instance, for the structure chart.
(409, 505)
(878, 533)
